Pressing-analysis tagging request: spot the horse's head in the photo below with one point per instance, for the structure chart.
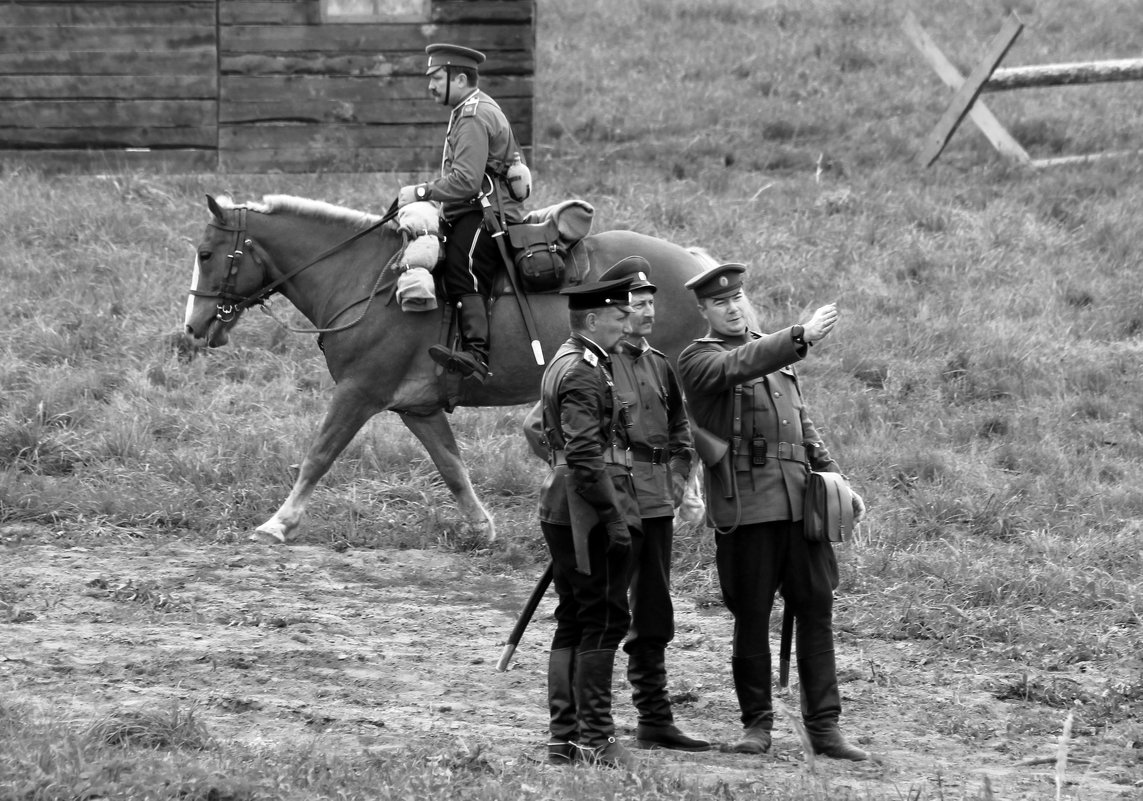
(227, 276)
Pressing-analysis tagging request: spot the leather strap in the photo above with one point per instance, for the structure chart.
(611, 455)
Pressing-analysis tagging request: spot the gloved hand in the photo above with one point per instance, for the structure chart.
(407, 195)
(619, 536)
(858, 507)
(678, 488)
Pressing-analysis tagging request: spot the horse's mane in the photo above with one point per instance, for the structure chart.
(316, 209)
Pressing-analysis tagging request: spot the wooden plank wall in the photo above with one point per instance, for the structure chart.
(104, 84)
(242, 85)
(300, 95)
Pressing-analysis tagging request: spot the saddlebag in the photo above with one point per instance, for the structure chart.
(539, 255)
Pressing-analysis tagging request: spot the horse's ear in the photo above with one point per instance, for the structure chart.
(215, 209)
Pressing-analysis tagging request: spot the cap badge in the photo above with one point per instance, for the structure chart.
(723, 281)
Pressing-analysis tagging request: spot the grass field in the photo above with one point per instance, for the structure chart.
(982, 391)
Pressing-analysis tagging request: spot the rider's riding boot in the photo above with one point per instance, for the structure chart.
(647, 672)
(752, 685)
(597, 743)
(472, 360)
(561, 707)
(821, 707)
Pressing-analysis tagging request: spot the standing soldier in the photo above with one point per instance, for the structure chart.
(480, 151)
(742, 389)
(587, 508)
(661, 453)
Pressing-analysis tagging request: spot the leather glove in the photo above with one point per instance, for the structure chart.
(619, 536)
(407, 195)
(858, 507)
(678, 488)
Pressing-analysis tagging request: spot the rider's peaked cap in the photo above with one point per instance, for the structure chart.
(450, 55)
(718, 282)
(600, 295)
(634, 267)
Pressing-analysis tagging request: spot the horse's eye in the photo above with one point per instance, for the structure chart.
(204, 255)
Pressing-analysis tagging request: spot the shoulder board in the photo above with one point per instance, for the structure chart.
(469, 107)
(657, 352)
(590, 357)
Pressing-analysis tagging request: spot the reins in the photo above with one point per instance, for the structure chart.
(226, 292)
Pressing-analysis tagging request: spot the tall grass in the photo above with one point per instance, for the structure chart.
(982, 390)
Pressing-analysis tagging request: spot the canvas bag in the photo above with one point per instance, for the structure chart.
(539, 254)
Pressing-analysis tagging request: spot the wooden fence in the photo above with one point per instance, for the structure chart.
(242, 85)
(988, 76)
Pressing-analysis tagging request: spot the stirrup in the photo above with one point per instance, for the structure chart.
(460, 362)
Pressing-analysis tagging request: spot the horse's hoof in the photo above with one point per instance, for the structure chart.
(268, 537)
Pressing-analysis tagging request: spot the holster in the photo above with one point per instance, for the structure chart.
(715, 454)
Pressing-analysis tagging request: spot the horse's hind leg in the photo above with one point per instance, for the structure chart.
(436, 435)
(347, 413)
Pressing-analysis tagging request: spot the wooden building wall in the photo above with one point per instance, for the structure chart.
(242, 85)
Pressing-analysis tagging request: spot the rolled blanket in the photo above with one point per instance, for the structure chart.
(415, 291)
(423, 252)
(418, 219)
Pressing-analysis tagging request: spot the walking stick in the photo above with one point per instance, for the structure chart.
(493, 226)
(525, 616)
(784, 650)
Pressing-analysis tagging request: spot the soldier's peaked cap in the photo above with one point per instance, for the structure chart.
(450, 55)
(600, 295)
(718, 282)
(636, 268)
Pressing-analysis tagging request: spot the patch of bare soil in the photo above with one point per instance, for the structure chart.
(392, 649)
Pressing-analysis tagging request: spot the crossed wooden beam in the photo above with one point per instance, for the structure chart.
(986, 77)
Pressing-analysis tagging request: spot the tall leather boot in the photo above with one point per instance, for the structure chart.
(647, 672)
(597, 743)
(821, 707)
(561, 707)
(752, 685)
(472, 359)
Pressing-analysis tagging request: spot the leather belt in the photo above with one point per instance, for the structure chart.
(611, 455)
(785, 451)
(653, 455)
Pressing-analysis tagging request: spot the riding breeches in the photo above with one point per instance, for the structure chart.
(591, 614)
(652, 613)
(471, 257)
(759, 559)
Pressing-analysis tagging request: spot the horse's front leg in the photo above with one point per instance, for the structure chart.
(348, 412)
(436, 435)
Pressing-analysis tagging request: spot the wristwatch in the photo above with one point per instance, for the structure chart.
(799, 334)
(421, 192)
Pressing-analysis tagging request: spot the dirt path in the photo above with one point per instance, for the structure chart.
(383, 649)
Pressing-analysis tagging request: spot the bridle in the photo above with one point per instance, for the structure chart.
(231, 304)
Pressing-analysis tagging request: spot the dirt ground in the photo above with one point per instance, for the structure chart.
(387, 649)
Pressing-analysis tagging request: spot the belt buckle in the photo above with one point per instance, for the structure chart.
(785, 451)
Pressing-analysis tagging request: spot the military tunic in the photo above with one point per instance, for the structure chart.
(760, 547)
(660, 440)
(580, 423)
(479, 141)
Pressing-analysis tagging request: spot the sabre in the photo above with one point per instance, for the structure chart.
(525, 617)
(784, 651)
(493, 227)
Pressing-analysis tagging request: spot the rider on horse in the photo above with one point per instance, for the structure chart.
(481, 155)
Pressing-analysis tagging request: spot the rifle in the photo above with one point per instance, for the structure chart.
(493, 226)
(715, 454)
(525, 617)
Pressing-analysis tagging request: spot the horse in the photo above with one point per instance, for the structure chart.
(337, 266)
